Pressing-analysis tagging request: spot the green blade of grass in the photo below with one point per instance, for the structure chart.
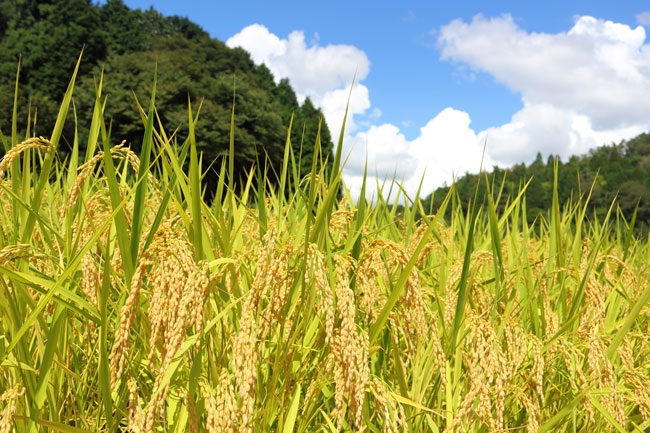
(495, 237)
(45, 369)
(462, 284)
(231, 142)
(15, 165)
(104, 369)
(117, 204)
(336, 165)
(93, 134)
(141, 191)
(285, 167)
(56, 426)
(562, 413)
(629, 321)
(290, 420)
(195, 188)
(49, 158)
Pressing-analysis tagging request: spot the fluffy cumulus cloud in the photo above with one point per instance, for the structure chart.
(335, 102)
(325, 73)
(445, 148)
(578, 88)
(322, 73)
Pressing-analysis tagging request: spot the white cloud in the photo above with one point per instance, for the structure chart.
(313, 70)
(322, 73)
(446, 147)
(578, 87)
(643, 18)
(259, 42)
(551, 131)
(334, 103)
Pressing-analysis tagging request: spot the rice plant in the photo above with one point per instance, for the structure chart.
(127, 303)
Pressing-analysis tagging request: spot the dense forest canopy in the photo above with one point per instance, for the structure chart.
(126, 45)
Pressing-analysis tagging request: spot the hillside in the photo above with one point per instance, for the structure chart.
(127, 44)
(617, 170)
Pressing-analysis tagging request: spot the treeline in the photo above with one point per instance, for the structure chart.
(620, 171)
(126, 45)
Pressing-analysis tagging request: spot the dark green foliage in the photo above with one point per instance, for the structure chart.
(49, 35)
(185, 69)
(126, 44)
(616, 170)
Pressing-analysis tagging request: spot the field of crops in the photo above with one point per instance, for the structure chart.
(127, 303)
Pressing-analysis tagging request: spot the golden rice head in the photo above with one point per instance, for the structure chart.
(538, 367)
(278, 280)
(430, 247)
(348, 357)
(91, 277)
(568, 357)
(626, 354)
(39, 143)
(182, 310)
(192, 422)
(601, 376)
(551, 318)
(120, 152)
(220, 406)
(178, 287)
(484, 363)
(411, 309)
(11, 253)
(380, 262)
(244, 361)
(516, 351)
(316, 273)
(369, 269)
(8, 404)
(339, 222)
(451, 293)
(136, 412)
(533, 413)
(639, 384)
(245, 352)
(482, 267)
(83, 173)
(127, 317)
(386, 408)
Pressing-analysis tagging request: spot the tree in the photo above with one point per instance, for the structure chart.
(127, 44)
(258, 129)
(49, 36)
(123, 26)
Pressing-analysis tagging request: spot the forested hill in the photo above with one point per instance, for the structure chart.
(49, 35)
(617, 170)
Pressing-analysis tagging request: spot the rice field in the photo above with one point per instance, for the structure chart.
(130, 304)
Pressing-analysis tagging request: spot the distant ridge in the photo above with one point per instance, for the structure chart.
(49, 35)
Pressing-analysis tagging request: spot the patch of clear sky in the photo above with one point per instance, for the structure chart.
(407, 80)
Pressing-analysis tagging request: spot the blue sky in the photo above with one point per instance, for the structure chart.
(436, 79)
